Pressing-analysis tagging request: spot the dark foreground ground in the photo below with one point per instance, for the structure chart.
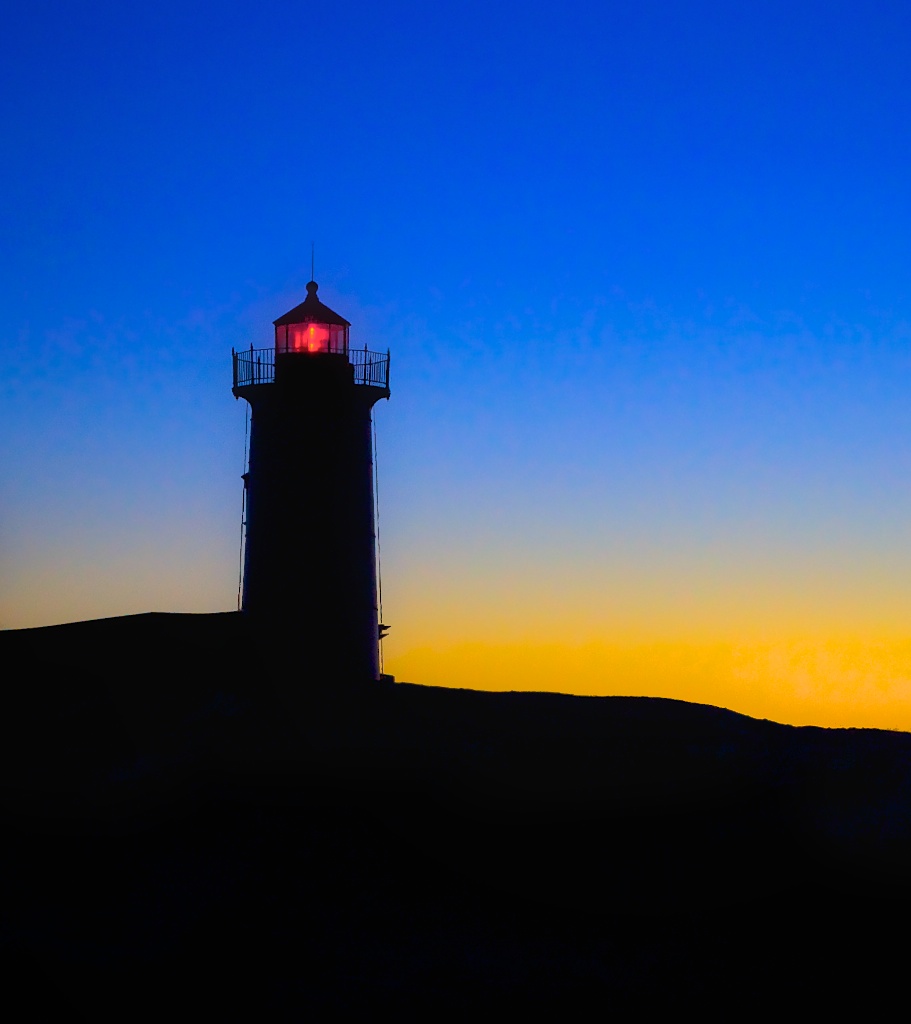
(193, 824)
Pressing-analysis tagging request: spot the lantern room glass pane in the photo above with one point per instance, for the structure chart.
(311, 337)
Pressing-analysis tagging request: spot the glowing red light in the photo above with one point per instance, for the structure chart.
(311, 337)
(307, 338)
(317, 338)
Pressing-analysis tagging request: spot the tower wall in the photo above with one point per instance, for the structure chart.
(310, 560)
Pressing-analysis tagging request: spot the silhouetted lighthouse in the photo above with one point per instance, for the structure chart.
(310, 554)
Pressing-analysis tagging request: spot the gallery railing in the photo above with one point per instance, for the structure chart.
(257, 366)
(254, 366)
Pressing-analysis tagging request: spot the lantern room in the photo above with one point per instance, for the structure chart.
(311, 327)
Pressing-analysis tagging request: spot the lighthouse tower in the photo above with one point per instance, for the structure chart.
(310, 545)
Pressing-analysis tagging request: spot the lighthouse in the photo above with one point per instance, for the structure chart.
(310, 565)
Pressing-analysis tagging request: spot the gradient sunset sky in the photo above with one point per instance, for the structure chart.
(645, 272)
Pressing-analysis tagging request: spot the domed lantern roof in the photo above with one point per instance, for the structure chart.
(311, 327)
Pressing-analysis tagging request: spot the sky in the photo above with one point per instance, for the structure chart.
(644, 273)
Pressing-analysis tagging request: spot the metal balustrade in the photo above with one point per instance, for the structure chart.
(257, 366)
(254, 366)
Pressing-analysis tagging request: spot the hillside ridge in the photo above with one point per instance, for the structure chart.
(163, 778)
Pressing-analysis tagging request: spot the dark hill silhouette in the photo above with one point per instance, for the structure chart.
(193, 822)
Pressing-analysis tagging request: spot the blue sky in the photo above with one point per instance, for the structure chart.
(644, 271)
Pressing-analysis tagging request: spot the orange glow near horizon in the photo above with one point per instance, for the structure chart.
(821, 673)
(830, 683)
(811, 639)
(792, 644)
